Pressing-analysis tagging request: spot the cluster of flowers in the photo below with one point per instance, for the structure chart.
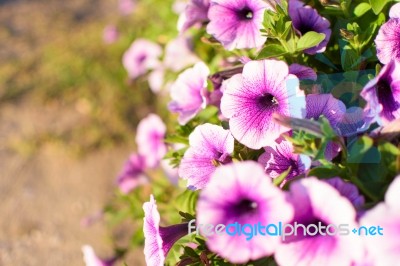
(250, 163)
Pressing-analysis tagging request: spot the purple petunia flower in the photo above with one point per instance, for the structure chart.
(179, 54)
(347, 190)
(242, 193)
(326, 105)
(110, 34)
(249, 100)
(382, 94)
(302, 72)
(158, 239)
(187, 92)
(195, 12)
(132, 174)
(305, 19)
(354, 121)
(279, 156)
(237, 24)
(150, 139)
(385, 250)
(141, 56)
(90, 258)
(388, 38)
(210, 146)
(317, 203)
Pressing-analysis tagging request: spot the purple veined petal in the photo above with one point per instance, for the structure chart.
(315, 202)
(150, 139)
(382, 95)
(306, 19)
(159, 240)
(395, 11)
(187, 92)
(353, 122)
(90, 258)
(237, 24)
(210, 145)
(141, 56)
(196, 12)
(179, 54)
(279, 156)
(302, 72)
(231, 196)
(385, 249)
(387, 48)
(326, 105)
(332, 150)
(347, 190)
(250, 99)
(132, 174)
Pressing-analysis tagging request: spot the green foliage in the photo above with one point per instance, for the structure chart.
(310, 39)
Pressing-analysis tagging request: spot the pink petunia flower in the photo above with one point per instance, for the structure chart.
(150, 139)
(195, 13)
(90, 258)
(110, 34)
(242, 193)
(158, 239)
(317, 203)
(250, 99)
(385, 249)
(179, 54)
(279, 156)
(382, 94)
(388, 38)
(141, 56)
(210, 145)
(237, 24)
(187, 92)
(126, 7)
(132, 174)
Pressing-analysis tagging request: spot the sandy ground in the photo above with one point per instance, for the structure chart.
(45, 191)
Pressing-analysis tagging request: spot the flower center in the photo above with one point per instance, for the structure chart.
(386, 98)
(245, 14)
(141, 58)
(245, 207)
(267, 100)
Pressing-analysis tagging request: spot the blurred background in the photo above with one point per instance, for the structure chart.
(67, 120)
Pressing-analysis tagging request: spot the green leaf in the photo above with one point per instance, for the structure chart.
(378, 5)
(271, 50)
(310, 39)
(361, 9)
(349, 58)
(277, 181)
(176, 139)
(325, 172)
(186, 201)
(371, 167)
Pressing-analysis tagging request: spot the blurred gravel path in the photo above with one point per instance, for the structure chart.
(45, 192)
